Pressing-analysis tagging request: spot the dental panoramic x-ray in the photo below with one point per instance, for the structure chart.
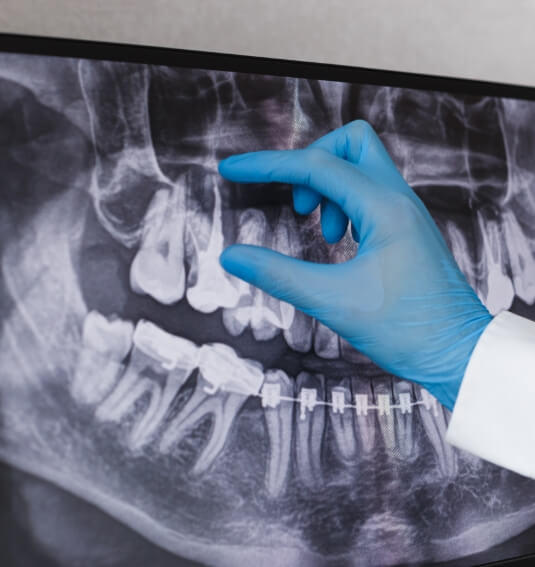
(155, 410)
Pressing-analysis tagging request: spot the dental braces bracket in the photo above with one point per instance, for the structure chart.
(308, 400)
(271, 397)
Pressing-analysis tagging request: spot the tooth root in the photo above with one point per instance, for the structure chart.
(404, 420)
(299, 335)
(287, 241)
(213, 288)
(385, 414)
(106, 343)
(435, 424)
(197, 407)
(342, 421)
(310, 425)
(521, 258)
(348, 352)
(497, 289)
(146, 428)
(132, 387)
(224, 419)
(279, 424)
(223, 407)
(325, 342)
(460, 250)
(365, 422)
(158, 267)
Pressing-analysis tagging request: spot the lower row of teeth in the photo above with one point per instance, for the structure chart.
(159, 364)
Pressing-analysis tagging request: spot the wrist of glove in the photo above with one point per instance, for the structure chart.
(402, 301)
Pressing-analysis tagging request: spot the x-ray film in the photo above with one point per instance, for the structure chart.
(202, 422)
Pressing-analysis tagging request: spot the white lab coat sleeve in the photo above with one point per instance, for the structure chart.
(494, 415)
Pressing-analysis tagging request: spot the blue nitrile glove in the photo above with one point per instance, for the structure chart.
(402, 301)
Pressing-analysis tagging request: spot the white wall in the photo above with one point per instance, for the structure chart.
(483, 39)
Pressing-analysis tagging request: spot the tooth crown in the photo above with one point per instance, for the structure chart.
(111, 337)
(225, 370)
(171, 350)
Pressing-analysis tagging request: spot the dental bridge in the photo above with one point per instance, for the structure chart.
(245, 377)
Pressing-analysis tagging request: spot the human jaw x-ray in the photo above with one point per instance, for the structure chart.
(219, 423)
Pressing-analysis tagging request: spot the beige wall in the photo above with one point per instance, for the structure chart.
(483, 39)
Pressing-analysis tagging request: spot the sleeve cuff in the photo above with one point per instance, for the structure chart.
(494, 415)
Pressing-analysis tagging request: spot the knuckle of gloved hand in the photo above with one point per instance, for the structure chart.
(314, 158)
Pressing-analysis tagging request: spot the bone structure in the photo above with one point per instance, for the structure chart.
(222, 425)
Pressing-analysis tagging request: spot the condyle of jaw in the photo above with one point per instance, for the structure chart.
(193, 441)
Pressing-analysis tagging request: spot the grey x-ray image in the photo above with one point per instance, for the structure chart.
(155, 410)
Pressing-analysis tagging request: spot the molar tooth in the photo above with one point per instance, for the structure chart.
(495, 287)
(435, 423)
(342, 421)
(365, 419)
(325, 341)
(521, 258)
(177, 355)
(348, 352)
(222, 374)
(158, 267)
(404, 420)
(255, 308)
(310, 426)
(157, 356)
(209, 286)
(279, 423)
(106, 343)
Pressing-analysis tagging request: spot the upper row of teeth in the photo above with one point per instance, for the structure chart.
(173, 225)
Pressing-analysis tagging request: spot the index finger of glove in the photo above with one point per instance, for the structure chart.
(358, 143)
(332, 177)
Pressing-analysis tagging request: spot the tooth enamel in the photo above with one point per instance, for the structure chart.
(223, 384)
(342, 421)
(385, 416)
(498, 294)
(521, 258)
(365, 419)
(212, 288)
(435, 424)
(279, 423)
(299, 336)
(223, 369)
(161, 354)
(348, 352)
(263, 313)
(158, 267)
(325, 341)
(309, 428)
(105, 345)
(404, 420)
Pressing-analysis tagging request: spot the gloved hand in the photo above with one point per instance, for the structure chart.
(402, 300)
